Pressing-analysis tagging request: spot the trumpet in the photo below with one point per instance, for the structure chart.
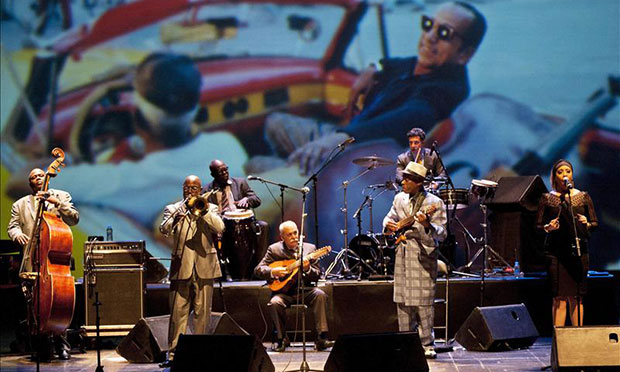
(199, 205)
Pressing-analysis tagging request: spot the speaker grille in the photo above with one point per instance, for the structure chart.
(120, 294)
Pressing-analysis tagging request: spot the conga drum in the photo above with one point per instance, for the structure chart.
(239, 242)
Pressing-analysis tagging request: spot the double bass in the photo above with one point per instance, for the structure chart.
(49, 288)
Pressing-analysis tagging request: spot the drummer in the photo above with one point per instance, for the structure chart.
(233, 195)
(420, 155)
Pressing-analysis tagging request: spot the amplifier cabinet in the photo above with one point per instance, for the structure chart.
(106, 253)
(121, 296)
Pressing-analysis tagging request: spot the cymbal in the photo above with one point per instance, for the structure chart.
(372, 161)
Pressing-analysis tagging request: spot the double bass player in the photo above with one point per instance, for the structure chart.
(21, 230)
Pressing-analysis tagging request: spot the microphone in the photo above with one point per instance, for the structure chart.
(305, 189)
(254, 178)
(434, 148)
(346, 142)
(567, 183)
(389, 185)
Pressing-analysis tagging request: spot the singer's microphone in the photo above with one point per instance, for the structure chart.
(567, 183)
(346, 142)
(254, 178)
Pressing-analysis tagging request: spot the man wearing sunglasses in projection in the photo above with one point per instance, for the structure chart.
(416, 91)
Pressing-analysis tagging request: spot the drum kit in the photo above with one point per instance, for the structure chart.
(373, 254)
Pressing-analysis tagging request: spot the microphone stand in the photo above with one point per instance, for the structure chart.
(345, 270)
(98, 339)
(304, 367)
(577, 247)
(314, 179)
(281, 204)
(451, 216)
(358, 215)
(283, 186)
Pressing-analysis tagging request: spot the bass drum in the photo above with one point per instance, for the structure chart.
(372, 249)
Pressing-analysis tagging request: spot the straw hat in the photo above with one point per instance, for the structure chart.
(415, 169)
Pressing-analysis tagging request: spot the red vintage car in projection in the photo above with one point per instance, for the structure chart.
(255, 56)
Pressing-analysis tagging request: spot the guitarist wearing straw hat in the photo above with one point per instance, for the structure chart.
(276, 268)
(419, 219)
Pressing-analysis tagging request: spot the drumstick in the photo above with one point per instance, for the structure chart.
(417, 155)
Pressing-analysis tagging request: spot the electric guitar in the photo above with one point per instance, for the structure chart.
(406, 223)
(292, 268)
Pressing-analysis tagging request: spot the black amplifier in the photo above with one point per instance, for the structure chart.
(117, 254)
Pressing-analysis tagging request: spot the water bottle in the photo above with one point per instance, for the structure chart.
(517, 269)
(108, 234)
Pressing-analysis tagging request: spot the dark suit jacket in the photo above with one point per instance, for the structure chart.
(401, 100)
(240, 189)
(431, 162)
(277, 252)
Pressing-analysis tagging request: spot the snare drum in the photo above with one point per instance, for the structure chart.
(458, 197)
(483, 188)
(239, 242)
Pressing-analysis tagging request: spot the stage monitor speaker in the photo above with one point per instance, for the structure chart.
(222, 353)
(385, 352)
(591, 348)
(224, 324)
(147, 342)
(494, 328)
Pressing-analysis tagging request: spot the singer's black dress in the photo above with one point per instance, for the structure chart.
(567, 271)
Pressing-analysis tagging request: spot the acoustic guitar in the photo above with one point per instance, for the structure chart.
(406, 223)
(292, 268)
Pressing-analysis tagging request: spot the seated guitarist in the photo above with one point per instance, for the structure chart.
(286, 250)
(421, 218)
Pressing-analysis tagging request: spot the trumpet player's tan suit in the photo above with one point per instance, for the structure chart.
(193, 268)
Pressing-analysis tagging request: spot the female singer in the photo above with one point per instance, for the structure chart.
(562, 213)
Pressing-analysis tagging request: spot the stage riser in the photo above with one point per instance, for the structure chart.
(367, 307)
(364, 307)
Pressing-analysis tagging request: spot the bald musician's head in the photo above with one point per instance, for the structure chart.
(191, 186)
(219, 172)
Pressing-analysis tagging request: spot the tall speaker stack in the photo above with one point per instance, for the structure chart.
(114, 270)
(513, 220)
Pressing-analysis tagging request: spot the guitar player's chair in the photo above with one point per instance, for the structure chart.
(443, 269)
(294, 317)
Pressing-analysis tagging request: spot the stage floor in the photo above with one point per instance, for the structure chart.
(461, 360)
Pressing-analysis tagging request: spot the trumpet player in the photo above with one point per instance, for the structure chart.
(195, 265)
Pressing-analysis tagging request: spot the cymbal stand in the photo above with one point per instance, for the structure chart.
(345, 252)
(314, 179)
(484, 242)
